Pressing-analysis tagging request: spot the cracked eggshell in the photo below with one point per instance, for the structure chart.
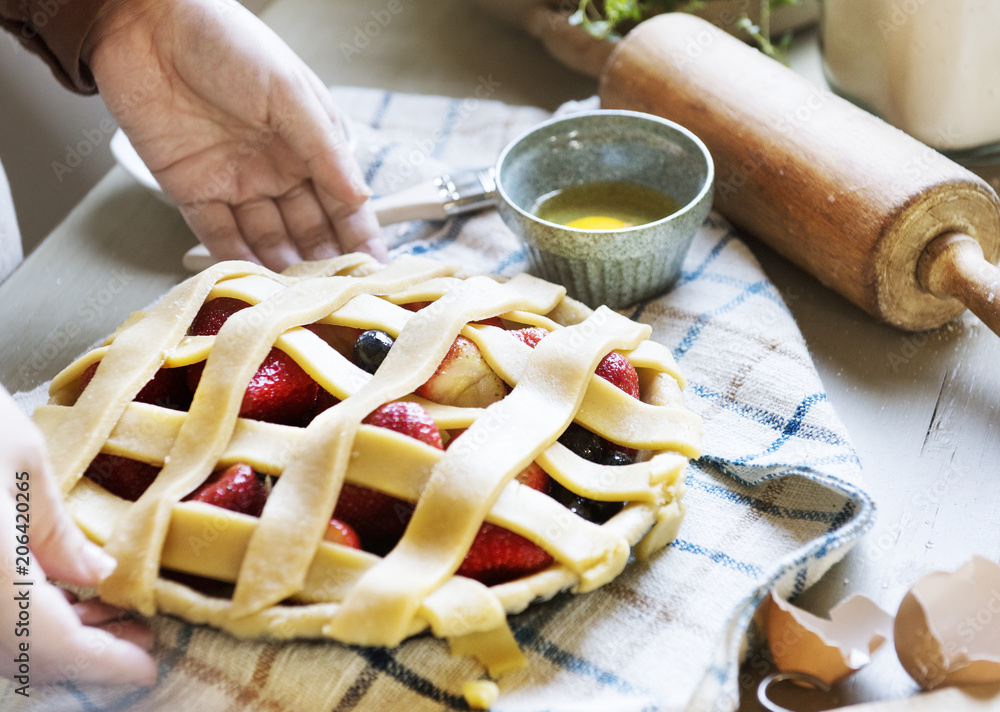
(947, 628)
(829, 650)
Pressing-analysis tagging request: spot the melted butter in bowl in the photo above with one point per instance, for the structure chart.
(606, 202)
(605, 205)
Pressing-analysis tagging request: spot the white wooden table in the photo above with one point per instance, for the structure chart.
(921, 408)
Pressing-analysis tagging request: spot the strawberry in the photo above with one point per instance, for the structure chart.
(463, 378)
(339, 532)
(213, 315)
(530, 335)
(324, 400)
(619, 372)
(498, 555)
(167, 388)
(236, 488)
(614, 368)
(409, 419)
(534, 477)
(415, 306)
(121, 476)
(378, 518)
(279, 392)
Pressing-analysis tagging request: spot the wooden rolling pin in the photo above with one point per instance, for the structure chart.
(889, 223)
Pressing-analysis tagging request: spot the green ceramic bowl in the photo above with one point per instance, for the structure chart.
(613, 267)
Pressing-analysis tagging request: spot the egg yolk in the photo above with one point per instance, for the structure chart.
(598, 222)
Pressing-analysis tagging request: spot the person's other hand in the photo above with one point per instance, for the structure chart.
(86, 641)
(235, 127)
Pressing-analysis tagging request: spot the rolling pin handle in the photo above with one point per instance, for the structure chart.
(953, 266)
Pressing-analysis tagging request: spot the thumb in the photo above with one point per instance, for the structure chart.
(55, 540)
(57, 543)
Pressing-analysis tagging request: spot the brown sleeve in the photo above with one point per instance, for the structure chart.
(55, 31)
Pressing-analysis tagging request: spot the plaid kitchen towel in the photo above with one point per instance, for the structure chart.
(774, 501)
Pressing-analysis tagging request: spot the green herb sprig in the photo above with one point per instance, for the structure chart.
(608, 21)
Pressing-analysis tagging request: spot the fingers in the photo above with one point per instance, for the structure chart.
(62, 646)
(216, 228)
(65, 648)
(281, 232)
(359, 232)
(308, 224)
(56, 542)
(315, 134)
(96, 613)
(263, 229)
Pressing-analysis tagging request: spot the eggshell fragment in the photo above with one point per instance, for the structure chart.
(829, 650)
(948, 626)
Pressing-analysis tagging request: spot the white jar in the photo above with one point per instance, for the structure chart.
(930, 67)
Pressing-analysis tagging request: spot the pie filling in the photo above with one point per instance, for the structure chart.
(364, 452)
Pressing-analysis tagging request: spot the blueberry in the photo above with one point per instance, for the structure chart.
(371, 348)
(584, 443)
(590, 509)
(615, 457)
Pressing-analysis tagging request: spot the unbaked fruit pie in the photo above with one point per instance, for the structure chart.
(363, 452)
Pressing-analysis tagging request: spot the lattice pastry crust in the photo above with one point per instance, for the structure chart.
(291, 583)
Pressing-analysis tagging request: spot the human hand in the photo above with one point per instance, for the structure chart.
(548, 20)
(241, 134)
(87, 641)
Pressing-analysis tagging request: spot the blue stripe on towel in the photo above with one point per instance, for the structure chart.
(383, 660)
(791, 428)
(376, 165)
(719, 557)
(380, 111)
(513, 258)
(765, 417)
(80, 696)
(529, 637)
(450, 235)
(703, 320)
(447, 126)
(767, 508)
(709, 259)
(692, 275)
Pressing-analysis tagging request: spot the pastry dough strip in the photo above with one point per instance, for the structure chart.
(605, 409)
(299, 507)
(240, 346)
(446, 608)
(465, 484)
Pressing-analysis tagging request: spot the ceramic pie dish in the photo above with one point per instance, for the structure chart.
(276, 573)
